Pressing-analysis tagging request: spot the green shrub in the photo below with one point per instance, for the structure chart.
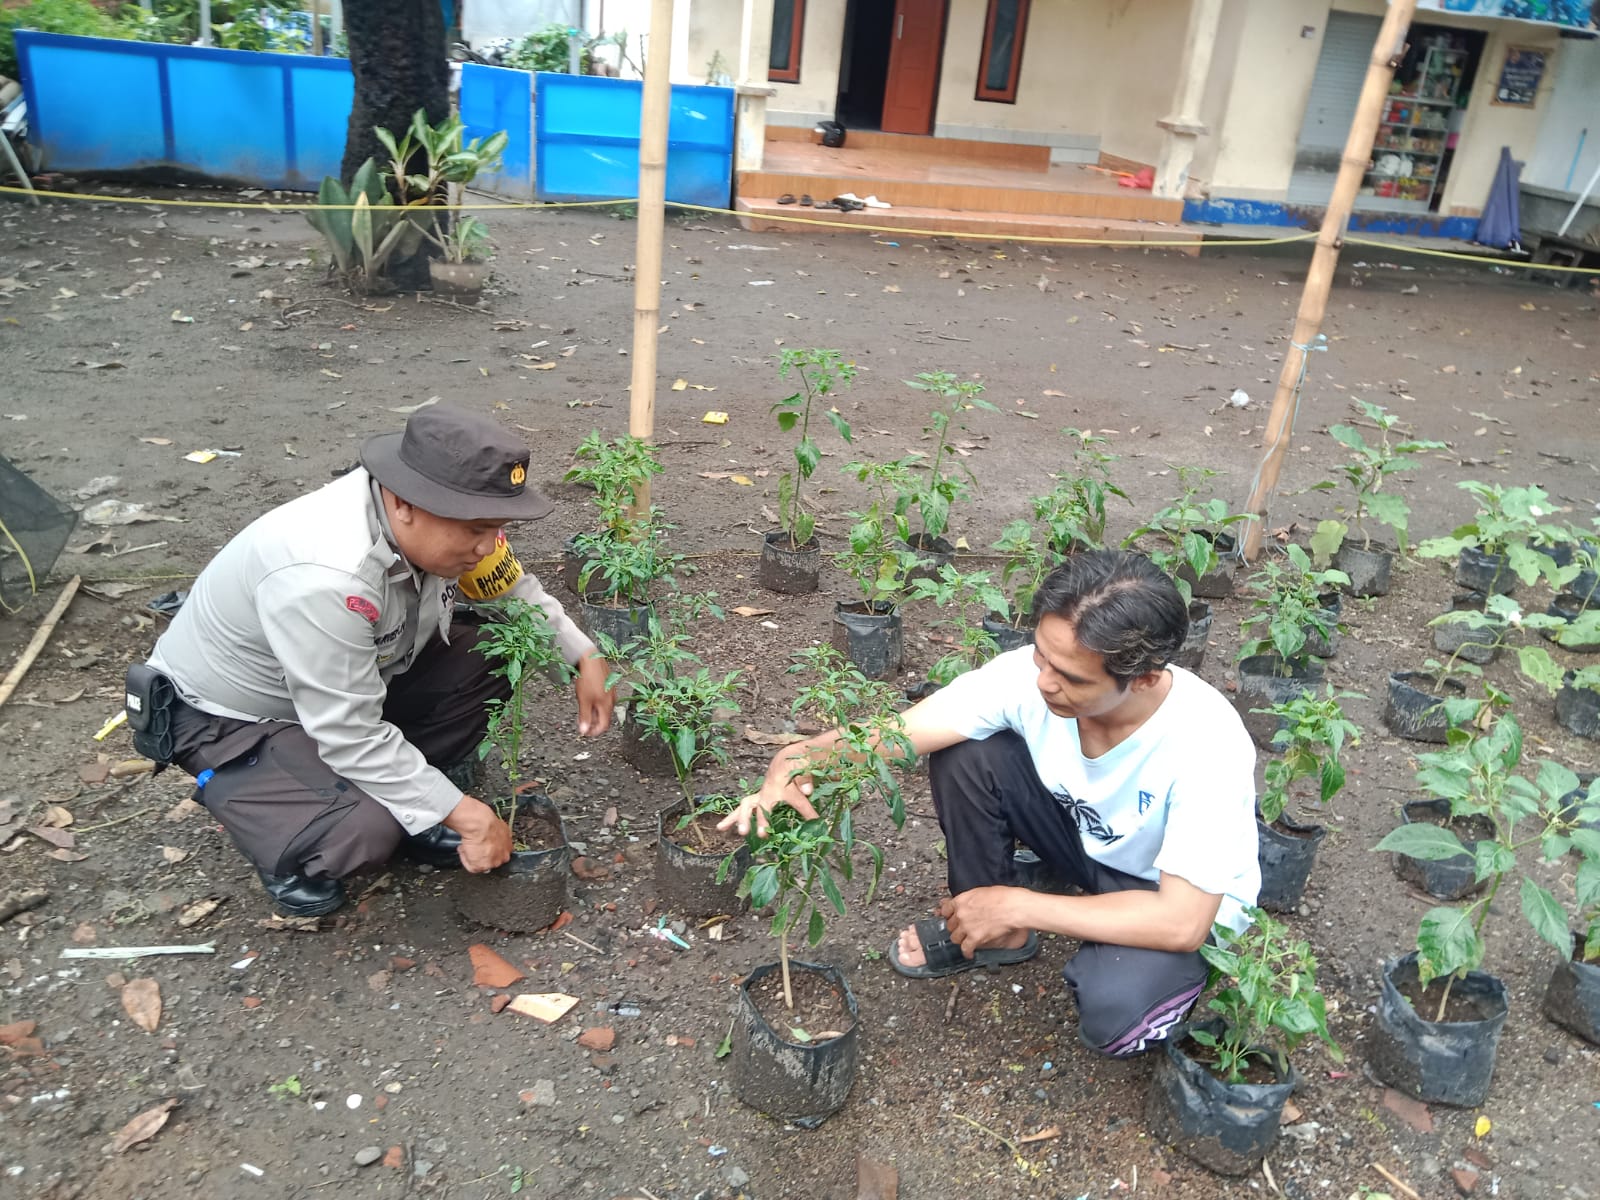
(50, 16)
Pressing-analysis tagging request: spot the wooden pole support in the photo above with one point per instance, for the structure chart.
(40, 637)
(650, 227)
(1386, 54)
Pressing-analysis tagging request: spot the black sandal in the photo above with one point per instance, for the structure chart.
(942, 956)
(806, 201)
(786, 198)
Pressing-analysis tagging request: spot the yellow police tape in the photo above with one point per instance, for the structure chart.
(966, 235)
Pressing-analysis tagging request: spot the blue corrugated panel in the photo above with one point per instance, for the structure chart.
(496, 99)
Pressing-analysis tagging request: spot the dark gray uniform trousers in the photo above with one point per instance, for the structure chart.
(988, 797)
(287, 811)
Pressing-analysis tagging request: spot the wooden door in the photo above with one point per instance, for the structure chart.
(915, 45)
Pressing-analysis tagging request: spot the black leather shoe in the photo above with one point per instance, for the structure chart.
(297, 896)
(438, 847)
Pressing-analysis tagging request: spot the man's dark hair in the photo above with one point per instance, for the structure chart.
(1121, 605)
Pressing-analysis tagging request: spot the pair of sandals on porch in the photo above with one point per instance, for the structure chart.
(848, 202)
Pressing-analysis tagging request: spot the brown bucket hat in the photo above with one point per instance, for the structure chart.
(456, 464)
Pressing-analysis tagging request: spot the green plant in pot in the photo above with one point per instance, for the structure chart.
(526, 893)
(1577, 691)
(465, 246)
(790, 555)
(1572, 997)
(616, 470)
(1308, 743)
(948, 479)
(1189, 537)
(1290, 626)
(1439, 1017)
(879, 563)
(1074, 511)
(1507, 540)
(623, 571)
(1026, 564)
(964, 600)
(788, 1066)
(1220, 1083)
(1347, 543)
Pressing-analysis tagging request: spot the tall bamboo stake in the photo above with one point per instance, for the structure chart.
(650, 225)
(1386, 55)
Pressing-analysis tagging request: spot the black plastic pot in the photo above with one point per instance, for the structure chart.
(1412, 709)
(1475, 644)
(1572, 999)
(524, 895)
(1369, 568)
(1286, 856)
(1437, 1062)
(1217, 583)
(1228, 1127)
(1006, 635)
(647, 755)
(789, 571)
(1578, 709)
(1271, 679)
(869, 635)
(1193, 651)
(1317, 645)
(801, 1082)
(1569, 607)
(1487, 573)
(686, 880)
(572, 565)
(1445, 878)
(1586, 586)
(620, 623)
(1571, 804)
(932, 553)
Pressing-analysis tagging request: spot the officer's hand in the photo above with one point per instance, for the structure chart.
(594, 701)
(485, 839)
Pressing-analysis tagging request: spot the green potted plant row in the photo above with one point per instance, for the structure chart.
(1508, 540)
(1290, 629)
(1572, 997)
(867, 628)
(1024, 565)
(625, 574)
(1188, 539)
(614, 470)
(1074, 511)
(795, 1035)
(791, 556)
(963, 600)
(947, 480)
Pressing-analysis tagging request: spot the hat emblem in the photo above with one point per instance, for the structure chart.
(518, 475)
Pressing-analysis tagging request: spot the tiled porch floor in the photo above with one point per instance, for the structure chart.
(930, 167)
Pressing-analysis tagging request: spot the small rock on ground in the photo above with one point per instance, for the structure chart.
(368, 1155)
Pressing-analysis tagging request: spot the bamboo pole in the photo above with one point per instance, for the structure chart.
(650, 226)
(40, 637)
(1386, 54)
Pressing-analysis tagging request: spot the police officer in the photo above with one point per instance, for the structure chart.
(319, 682)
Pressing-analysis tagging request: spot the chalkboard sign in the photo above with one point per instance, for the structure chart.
(1520, 76)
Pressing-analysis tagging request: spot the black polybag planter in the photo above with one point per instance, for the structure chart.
(1572, 999)
(1487, 573)
(1437, 1062)
(1228, 1127)
(1414, 712)
(1578, 709)
(1286, 860)
(1569, 607)
(1369, 567)
(1192, 653)
(1445, 878)
(931, 552)
(788, 570)
(1478, 644)
(525, 894)
(1272, 679)
(1317, 645)
(572, 565)
(801, 1082)
(645, 753)
(869, 635)
(1217, 583)
(620, 623)
(1006, 635)
(686, 880)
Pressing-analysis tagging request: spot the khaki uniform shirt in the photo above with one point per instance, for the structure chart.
(308, 613)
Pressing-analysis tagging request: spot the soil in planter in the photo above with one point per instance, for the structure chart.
(818, 1009)
(1257, 1069)
(534, 830)
(701, 835)
(1462, 1006)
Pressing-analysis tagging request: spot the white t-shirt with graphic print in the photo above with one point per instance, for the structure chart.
(1177, 796)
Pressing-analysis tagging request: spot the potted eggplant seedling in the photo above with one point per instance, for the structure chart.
(1577, 692)
(1572, 997)
(947, 480)
(1423, 705)
(1191, 540)
(615, 470)
(1311, 735)
(1074, 511)
(1290, 629)
(963, 599)
(1220, 1081)
(791, 556)
(1439, 1016)
(1507, 541)
(623, 574)
(526, 893)
(1024, 569)
(868, 628)
(795, 1040)
(1348, 544)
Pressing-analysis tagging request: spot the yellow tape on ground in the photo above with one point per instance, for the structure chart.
(960, 235)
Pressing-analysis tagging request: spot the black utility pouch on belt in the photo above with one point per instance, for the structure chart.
(150, 699)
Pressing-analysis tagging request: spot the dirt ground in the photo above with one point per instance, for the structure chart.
(132, 336)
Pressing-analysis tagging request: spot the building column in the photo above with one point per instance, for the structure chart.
(1184, 127)
(751, 87)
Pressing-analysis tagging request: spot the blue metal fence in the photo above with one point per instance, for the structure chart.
(496, 99)
(104, 105)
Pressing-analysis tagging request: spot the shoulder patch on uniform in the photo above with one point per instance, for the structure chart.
(362, 607)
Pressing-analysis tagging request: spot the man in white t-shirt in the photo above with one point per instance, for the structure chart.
(1130, 779)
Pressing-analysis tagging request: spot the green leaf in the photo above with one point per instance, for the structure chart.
(817, 928)
(788, 420)
(838, 422)
(1447, 943)
(725, 1047)
(1325, 542)
(1431, 843)
(807, 456)
(1548, 918)
(1588, 883)
(1490, 858)
(797, 1034)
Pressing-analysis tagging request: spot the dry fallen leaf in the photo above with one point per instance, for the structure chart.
(1053, 392)
(143, 1127)
(56, 817)
(544, 366)
(173, 855)
(66, 856)
(1044, 1135)
(141, 1000)
(56, 837)
(744, 610)
(182, 811)
(199, 911)
(679, 385)
(760, 738)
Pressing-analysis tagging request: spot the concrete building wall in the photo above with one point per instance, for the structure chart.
(714, 28)
(1573, 106)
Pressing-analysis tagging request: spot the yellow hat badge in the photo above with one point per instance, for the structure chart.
(518, 475)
